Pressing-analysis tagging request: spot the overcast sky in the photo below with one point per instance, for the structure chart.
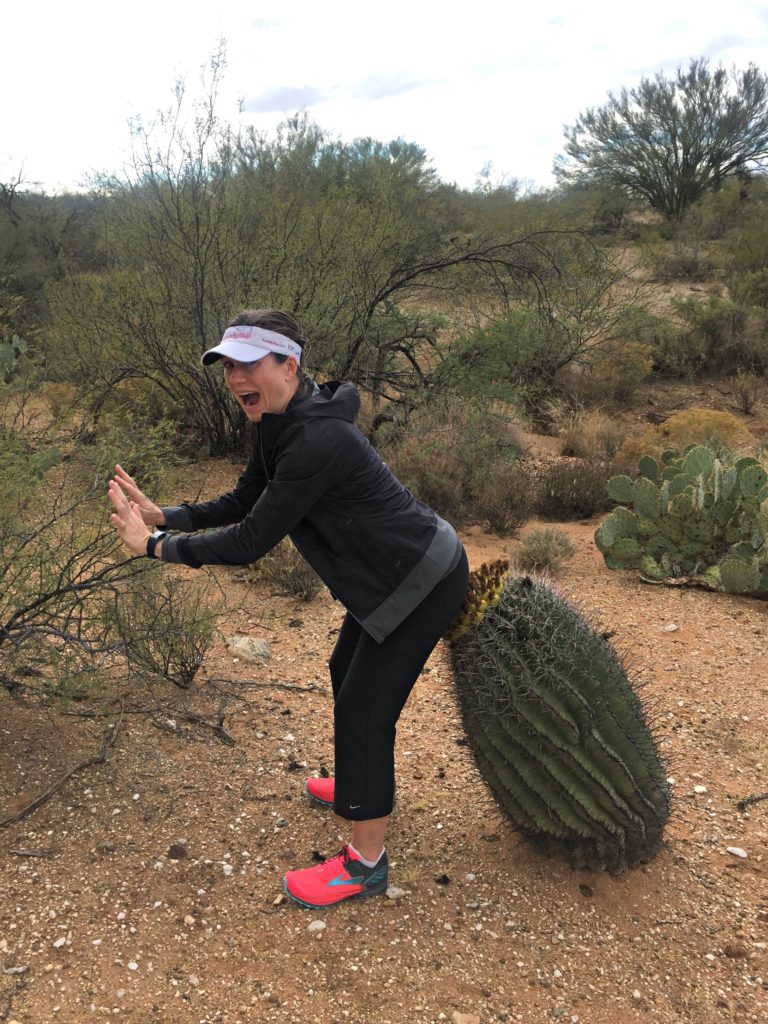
(470, 83)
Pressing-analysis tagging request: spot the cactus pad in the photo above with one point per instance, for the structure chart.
(708, 511)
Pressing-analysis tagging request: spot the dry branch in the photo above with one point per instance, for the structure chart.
(109, 739)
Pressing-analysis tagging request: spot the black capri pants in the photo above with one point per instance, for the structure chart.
(371, 683)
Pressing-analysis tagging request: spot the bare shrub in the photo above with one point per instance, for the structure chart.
(287, 573)
(748, 389)
(505, 497)
(547, 548)
(621, 367)
(166, 625)
(682, 261)
(575, 490)
(589, 433)
(448, 449)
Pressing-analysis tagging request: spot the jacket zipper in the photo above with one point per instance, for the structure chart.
(261, 453)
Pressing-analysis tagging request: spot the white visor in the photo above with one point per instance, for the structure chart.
(247, 344)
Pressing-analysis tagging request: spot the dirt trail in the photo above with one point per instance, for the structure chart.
(106, 922)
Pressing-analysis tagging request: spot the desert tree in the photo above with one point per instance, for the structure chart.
(670, 140)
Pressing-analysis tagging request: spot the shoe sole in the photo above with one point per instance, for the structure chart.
(377, 891)
(316, 799)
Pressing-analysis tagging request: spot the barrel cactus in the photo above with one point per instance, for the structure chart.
(694, 517)
(554, 724)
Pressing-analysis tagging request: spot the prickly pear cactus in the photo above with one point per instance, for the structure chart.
(692, 518)
(555, 727)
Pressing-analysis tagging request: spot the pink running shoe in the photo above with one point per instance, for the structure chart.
(342, 877)
(321, 790)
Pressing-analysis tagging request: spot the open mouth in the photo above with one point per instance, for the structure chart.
(249, 398)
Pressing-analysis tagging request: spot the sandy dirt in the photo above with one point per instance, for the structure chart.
(149, 887)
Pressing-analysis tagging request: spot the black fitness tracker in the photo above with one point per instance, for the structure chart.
(152, 541)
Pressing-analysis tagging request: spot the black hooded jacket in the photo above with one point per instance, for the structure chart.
(314, 477)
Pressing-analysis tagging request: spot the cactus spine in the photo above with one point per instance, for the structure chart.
(555, 727)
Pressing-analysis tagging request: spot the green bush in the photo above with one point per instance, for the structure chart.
(750, 288)
(724, 336)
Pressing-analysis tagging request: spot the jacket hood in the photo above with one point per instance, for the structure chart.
(336, 400)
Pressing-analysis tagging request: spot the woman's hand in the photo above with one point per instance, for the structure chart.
(150, 513)
(128, 519)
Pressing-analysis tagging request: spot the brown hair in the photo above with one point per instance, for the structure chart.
(280, 320)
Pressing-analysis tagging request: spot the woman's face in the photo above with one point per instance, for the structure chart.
(263, 386)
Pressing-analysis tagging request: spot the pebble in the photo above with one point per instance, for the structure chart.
(227, 869)
(700, 789)
(465, 1018)
(132, 965)
(316, 926)
(737, 851)
(394, 893)
(671, 627)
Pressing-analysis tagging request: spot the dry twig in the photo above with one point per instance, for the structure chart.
(109, 739)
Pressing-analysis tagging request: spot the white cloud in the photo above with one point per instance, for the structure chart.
(471, 84)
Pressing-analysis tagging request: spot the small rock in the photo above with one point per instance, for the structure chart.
(177, 851)
(281, 822)
(670, 627)
(637, 994)
(700, 789)
(278, 900)
(249, 647)
(132, 965)
(189, 920)
(227, 869)
(465, 1018)
(735, 950)
(316, 926)
(393, 893)
(737, 851)
(194, 981)
(105, 846)
(60, 942)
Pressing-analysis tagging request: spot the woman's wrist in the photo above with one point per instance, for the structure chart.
(154, 544)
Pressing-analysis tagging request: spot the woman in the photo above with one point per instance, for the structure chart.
(396, 566)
